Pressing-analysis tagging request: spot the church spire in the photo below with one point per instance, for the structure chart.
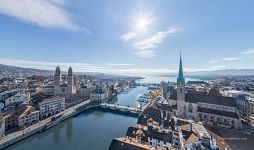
(180, 74)
(180, 78)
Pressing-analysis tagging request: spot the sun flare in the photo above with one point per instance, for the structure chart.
(142, 23)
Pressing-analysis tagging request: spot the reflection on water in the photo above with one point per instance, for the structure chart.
(130, 98)
(69, 129)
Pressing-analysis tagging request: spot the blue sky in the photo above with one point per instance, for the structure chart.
(127, 37)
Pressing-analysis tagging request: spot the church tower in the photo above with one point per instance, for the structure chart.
(70, 82)
(57, 80)
(180, 83)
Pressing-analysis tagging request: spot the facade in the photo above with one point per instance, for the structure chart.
(210, 108)
(2, 125)
(29, 116)
(243, 105)
(1, 106)
(65, 90)
(86, 90)
(11, 120)
(15, 98)
(250, 108)
(51, 105)
(48, 90)
(99, 95)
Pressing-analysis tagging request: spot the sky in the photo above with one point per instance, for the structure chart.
(127, 37)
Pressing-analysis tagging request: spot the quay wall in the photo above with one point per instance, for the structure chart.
(44, 127)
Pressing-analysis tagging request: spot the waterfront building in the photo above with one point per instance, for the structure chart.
(11, 115)
(51, 105)
(2, 125)
(29, 116)
(11, 119)
(85, 90)
(99, 95)
(210, 108)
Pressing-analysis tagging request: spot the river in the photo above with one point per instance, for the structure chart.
(90, 130)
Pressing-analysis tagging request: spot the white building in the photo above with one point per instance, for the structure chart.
(29, 116)
(98, 95)
(2, 125)
(159, 137)
(17, 97)
(51, 105)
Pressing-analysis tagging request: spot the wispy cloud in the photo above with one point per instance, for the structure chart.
(116, 64)
(86, 67)
(226, 59)
(218, 67)
(145, 53)
(213, 61)
(44, 13)
(145, 47)
(248, 52)
(154, 40)
(47, 65)
(126, 37)
(232, 58)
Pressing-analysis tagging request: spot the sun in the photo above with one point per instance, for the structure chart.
(142, 23)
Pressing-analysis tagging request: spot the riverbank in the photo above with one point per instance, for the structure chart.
(86, 128)
(43, 125)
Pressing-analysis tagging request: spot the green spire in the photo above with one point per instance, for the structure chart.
(180, 78)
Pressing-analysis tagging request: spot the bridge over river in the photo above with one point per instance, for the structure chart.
(122, 108)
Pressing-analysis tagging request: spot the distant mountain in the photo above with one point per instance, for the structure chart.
(29, 71)
(224, 72)
(19, 71)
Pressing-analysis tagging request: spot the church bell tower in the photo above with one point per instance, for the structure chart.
(70, 82)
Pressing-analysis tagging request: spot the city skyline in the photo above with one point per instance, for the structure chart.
(134, 37)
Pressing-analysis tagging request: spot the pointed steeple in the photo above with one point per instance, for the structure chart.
(58, 71)
(180, 78)
(180, 74)
(70, 71)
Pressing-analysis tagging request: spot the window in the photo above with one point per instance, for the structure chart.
(190, 108)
